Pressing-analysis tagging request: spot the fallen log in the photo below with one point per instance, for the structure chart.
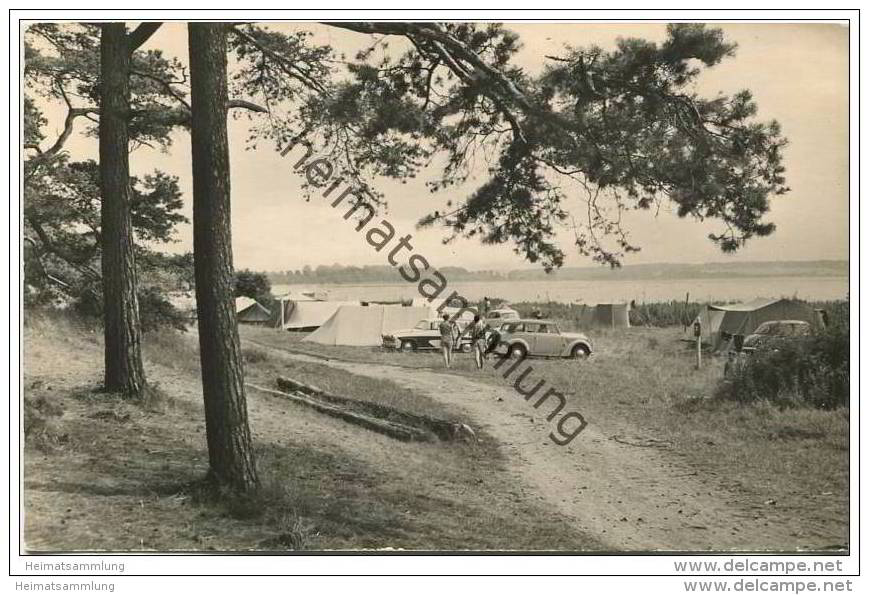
(382, 426)
(443, 429)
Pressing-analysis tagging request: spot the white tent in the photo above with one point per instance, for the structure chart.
(304, 296)
(365, 325)
(250, 311)
(243, 302)
(309, 314)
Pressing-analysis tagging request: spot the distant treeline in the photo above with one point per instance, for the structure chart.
(337, 273)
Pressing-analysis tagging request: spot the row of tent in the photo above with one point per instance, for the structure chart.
(333, 322)
(357, 323)
(307, 315)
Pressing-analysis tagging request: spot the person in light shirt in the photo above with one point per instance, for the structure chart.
(449, 336)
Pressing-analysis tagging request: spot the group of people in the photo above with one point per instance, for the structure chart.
(483, 339)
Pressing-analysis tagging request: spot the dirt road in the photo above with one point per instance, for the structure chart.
(628, 491)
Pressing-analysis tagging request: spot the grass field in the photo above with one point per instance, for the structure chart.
(645, 378)
(105, 474)
(102, 473)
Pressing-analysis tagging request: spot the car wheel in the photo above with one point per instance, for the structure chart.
(466, 347)
(518, 351)
(580, 352)
(407, 346)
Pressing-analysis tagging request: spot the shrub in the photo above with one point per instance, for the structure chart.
(253, 285)
(155, 311)
(41, 428)
(662, 314)
(657, 314)
(253, 355)
(813, 372)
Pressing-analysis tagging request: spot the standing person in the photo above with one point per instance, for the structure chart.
(449, 332)
(493, 340)
(486, 305)
(477, 332)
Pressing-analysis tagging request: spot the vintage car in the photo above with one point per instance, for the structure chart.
(425, 335)
(769, 336)
(773, 332)
(501, 314)
(523, 337)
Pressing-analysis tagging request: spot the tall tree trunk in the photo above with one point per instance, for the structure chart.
(123, 356)
(229, 445)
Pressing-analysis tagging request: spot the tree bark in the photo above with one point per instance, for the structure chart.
(123, 356)
(229, 444)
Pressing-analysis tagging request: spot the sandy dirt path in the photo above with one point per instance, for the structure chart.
(631, 496)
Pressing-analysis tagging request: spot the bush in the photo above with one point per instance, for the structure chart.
(662, 314)
(813, 372)
(253, 285)
(155, 311)
(41, 428)
(657, 314)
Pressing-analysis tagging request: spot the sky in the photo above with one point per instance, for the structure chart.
(798, 74)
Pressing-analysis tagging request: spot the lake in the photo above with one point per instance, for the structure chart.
(605, 291)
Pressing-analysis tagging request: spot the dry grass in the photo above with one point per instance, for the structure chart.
(129, 477)
(263, 365)
(644, 378)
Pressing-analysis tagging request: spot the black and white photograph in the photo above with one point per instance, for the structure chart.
(296, 287)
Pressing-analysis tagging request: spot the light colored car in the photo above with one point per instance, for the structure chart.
(424, 336)
(523, 337)
(500, 314)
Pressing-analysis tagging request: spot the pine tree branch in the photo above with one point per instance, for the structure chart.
(69, 121)
(244, 104)
(167, 85)
(141, 34)
(287, 66)
(51, 247)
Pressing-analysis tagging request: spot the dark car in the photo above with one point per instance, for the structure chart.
(424, 336)
(773, 332)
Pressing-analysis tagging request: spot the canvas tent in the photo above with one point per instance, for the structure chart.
(605, 316)
(250, 311)
(710, 321)
(719, 323)
(365, 325)
(307, 315)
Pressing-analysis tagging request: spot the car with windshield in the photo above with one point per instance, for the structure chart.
(773, 333)
(769, 336)
(425, 335)
(522, 337)
(499, 315)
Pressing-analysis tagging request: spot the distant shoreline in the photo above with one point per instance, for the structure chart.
(556, 280)
(718, 289)
(385, 275)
